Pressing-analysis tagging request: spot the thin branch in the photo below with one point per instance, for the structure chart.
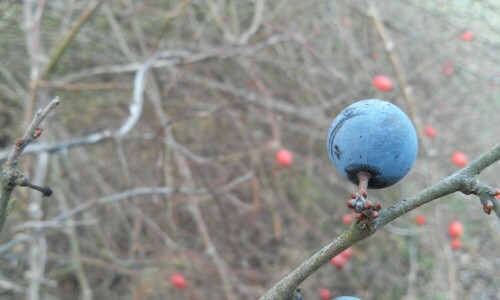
(11, 175)
(256, 22)
(58, 146)
(66, 41)
(122, 196)
(31, 133)
(461, 181)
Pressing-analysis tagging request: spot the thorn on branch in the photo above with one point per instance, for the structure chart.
(45, 190)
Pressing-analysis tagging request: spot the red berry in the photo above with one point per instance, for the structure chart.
(284, 157)
(448, 68)
(420, 220)
(498, 197)
(466, 36)
(347, 218)
(339, 262)
(325, 294)
(455, 244)
(347, 253)
(455, 229)
(178, 281)
(459, 159)
(430, 131)
(382, 83)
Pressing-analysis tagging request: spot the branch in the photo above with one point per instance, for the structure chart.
(11, 176)
(66, 41)
(58, 146)
(462, 181)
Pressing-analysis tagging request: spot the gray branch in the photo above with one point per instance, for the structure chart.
(462, 181)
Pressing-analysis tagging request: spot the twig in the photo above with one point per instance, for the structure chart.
(58, 146)
(256, 22)
(11, 175)
(462, 181)
(398, 68)
(66, 41)
(119, 197)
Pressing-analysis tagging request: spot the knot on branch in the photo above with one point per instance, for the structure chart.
(470, 186)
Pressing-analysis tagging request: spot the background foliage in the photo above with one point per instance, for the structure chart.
(233, 82)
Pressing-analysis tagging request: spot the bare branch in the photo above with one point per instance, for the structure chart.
(33, 132)
(461, 181)
(58, 146)
(11, 175)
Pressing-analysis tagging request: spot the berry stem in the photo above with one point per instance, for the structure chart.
(364, 178)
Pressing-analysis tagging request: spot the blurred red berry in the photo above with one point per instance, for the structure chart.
(178, 281)
(339, 262)
(430, 131)
(455, 229)
(347, 253)
(347, 218)
(420, 220)
(448, 68)
(455, 244)
(498, 197)
(382, 83)
(284, 157)
(466, 36)
(459, 159)
(325, 294)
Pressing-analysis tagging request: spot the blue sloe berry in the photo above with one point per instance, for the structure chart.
(376, 137)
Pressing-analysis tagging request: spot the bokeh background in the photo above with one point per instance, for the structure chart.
(162, 152)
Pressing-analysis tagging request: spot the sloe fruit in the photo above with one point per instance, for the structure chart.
(375, 137)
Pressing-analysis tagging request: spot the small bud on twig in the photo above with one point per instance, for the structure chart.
(37, 132)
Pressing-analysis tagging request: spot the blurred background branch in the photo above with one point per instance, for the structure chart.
(165, 151)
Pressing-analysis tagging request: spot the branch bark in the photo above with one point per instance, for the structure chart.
(11, 175)
(462, 181)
